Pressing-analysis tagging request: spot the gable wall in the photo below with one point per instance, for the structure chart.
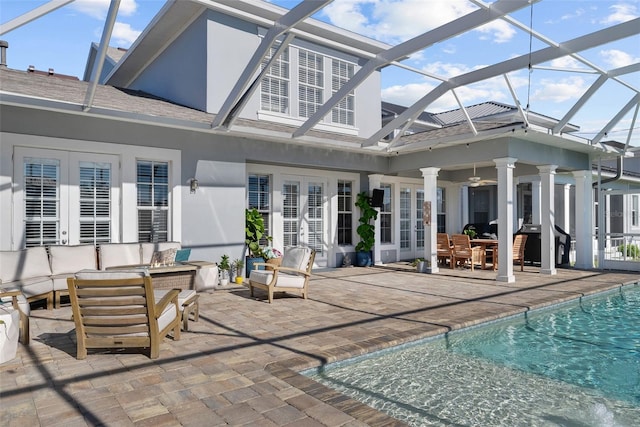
(179, 72)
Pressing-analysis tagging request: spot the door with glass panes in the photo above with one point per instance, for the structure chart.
(304, 214)
(411, 224)
(64, 198)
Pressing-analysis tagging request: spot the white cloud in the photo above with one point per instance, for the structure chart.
(617, 58)
(394, 21)
(621, 13)
(98, 8)
(567, 62)
(123, 35)
(560, 90)
(501, 31)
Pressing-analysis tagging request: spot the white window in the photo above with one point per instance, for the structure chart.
(153, 201)
(259, 193)
(344, 111)
(311, 82)
(41, 201)
(345, 212)
(95, 202)
(386, 219)
(275, 84)
(634, 210)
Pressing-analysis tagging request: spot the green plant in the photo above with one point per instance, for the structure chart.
(631, 251)
(416, 261)
(471, 232)
(254, 232)
(224, 263)
(238, 264)
(366, 230)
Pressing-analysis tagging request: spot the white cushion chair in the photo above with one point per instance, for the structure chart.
(292, 275)
(187, 303)
(118, 310)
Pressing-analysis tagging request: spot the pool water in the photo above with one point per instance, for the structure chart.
(577, 364)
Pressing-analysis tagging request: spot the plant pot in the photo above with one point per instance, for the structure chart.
(239, 280)
(224, 282)
(363, 259)
(273, 261)
(250, 262)
(423, 267)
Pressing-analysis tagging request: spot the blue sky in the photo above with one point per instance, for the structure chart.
(61, 41)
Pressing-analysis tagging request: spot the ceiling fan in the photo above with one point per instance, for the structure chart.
(476, 181)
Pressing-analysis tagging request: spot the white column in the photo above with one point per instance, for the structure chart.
(566, 200)
(516, 223)
(547, 237)
(430, 176)
(584, 219)
(505, 168)
(374, 182)
(464, 200)
(536, 208)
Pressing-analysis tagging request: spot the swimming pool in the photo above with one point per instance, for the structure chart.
(577, 364)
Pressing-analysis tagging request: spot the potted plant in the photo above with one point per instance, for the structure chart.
(254, 233)
(422, 265)
(272, 256)
(366, 230)
(471, 232)
(224, 266)
(238, 264)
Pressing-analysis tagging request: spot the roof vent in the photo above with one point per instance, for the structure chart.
(31, 68)
(3, 53)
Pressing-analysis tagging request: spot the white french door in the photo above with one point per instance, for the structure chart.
(411, 225)
(304, 213)
(64, 197)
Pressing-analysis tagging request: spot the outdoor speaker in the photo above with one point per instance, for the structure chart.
(377, 198)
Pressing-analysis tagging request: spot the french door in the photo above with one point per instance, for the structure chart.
(411, 224)
(64, 197)
(304, 214)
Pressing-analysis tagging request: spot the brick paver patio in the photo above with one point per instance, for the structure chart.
(238, 365)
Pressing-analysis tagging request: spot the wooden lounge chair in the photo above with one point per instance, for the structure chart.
(445, 249)
(292, 275)
(463, 251)
(118, 310)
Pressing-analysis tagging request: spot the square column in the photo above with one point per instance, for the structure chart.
(548, 237)
(536, 207)
(374, 182)
(505, 168)
(584, 220)
(430, 176)
(566, 200)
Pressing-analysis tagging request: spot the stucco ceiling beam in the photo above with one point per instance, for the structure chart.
(233, 102)
(109, 22)
(36, 13)
(614, 121)
(598, 38)
(477, 18)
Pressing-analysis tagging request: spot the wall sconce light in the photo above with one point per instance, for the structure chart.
(193, 185)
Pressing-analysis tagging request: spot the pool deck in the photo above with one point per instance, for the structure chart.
(238, 365)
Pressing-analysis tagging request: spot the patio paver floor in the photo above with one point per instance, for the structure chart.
(238, 365)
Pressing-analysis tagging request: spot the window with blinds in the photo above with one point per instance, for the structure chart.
(344, 111)
(291, 212)
(41, 201)
(310, 82)
(405, 218)
(386, 220)
(259, 193)
(153, 201)
(345, 212)
(95, 202)
(274, 94)
(315, 216)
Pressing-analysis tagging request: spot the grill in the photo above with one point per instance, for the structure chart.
(533, 246)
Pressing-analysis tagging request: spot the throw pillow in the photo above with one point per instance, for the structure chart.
(183, 255)
(166, 257)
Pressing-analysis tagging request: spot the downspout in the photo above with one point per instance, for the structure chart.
(616, 177)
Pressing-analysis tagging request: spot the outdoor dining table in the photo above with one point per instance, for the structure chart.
(487, 244)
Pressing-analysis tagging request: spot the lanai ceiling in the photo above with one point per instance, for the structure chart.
(534, 60)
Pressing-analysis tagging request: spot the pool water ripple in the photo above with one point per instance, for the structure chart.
(575, 365)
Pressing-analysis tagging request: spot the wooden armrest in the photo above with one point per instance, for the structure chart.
(260, 264)
(169, 297)
(291, 270)
(14, 293)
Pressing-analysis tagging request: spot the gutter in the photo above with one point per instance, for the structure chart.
(616, 177)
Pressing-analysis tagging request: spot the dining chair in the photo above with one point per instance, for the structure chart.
(445, 249)
(463, 251)
(519, 241)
